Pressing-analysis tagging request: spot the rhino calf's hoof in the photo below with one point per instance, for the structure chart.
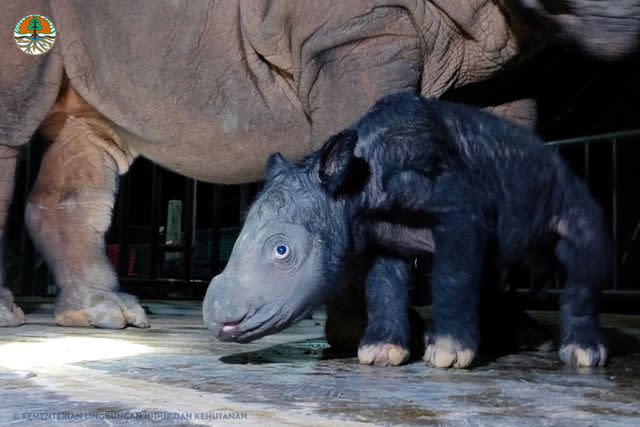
(447, 352)
(383, 354)
(99, 308)
(575, 355)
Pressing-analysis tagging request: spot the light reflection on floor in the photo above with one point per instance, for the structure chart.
(290, 379)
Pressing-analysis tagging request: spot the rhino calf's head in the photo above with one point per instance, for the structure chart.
(288, 258)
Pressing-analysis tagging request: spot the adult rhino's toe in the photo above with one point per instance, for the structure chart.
(10, 314)
(99, 308)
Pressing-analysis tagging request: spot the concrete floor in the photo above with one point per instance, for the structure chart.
(175, 373)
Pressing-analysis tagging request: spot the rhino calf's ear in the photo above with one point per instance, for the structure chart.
(341, 172)
(275, 165)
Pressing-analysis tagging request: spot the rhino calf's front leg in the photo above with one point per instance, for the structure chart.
(68, 213)
(457, 269)
(387, 338)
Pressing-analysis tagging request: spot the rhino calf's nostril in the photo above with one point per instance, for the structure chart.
(229, 327)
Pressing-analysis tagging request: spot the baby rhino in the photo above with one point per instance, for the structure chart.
(414, 175)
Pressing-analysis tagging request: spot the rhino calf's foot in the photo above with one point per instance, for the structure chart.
(447, 352)
(10, 314)
(383, 354)
(387, 338)
(581, 357)
(99, 308)
(583, 345)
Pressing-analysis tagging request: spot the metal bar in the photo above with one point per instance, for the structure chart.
(189, 226)
(634, 237)
(614, 211)
(619, 301)
(587, 164)
(123, 214)
(604, 137)
(156, 197)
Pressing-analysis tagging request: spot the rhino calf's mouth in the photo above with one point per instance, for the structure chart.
(271, 279)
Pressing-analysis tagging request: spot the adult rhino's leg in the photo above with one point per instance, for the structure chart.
(10, 314)
(68, 212)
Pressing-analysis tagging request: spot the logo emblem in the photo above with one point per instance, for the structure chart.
(35, 34)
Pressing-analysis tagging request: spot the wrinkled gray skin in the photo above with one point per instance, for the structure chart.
(607, 30)
(261, 291)
(210, 89)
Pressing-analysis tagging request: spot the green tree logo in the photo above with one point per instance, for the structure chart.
(34, 25)
(35, 34)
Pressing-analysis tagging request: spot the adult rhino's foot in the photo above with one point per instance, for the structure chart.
(99, 308)
(10, 314)
(447, 352)
(383, 354)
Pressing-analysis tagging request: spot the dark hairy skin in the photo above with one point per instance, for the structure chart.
(415, 176)
(477, 182)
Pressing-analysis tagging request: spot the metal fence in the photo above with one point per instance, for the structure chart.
(171, 234)
(623, 244)
(607, 164)
(154, 261)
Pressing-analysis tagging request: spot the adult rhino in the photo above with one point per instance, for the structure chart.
(210, 89)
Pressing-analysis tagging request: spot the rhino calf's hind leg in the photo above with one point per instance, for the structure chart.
(10, 314)
(68, 213)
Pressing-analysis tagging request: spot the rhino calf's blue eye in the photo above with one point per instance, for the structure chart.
(281, 251)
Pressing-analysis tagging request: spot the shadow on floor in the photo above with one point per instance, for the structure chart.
(298, 351)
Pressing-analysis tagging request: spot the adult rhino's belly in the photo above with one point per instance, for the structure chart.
(215, 134)
(208, 154)
(226, 140)
(189, 97)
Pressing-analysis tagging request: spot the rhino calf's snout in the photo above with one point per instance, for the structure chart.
(220, 315)
(278, 268)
